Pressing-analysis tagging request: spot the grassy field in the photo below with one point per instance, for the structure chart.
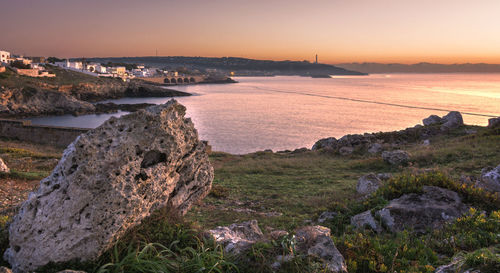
(287, 190)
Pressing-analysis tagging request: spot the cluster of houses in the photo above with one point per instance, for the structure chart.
(31, 66)
(35, 67)
(100, 70)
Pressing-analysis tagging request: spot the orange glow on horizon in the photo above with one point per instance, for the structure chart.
(386, 31)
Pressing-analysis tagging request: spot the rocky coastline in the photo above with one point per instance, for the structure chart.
(22, 97)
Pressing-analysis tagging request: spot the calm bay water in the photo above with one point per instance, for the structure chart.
(281, 113)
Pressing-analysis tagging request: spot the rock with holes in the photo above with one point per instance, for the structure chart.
(106, 182)
(3, 167)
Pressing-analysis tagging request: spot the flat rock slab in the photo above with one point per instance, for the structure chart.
(428, 210)
(106, 182)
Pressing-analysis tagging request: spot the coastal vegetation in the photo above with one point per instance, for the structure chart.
(286, 190)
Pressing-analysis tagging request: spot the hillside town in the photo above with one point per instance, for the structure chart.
(36, 67)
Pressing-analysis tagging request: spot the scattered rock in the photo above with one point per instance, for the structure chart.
(431, 120)
(368, 184)
(490, 179)
(426, 142)
(429, 210)
(365, 219)
(384, 176)
(494, 122)
(375, 148)
(3, 167)
(325, 143)
(451, 121)
(106, 182)
(236, 238)
(397, 157)
(316, 241)
(326, 216)
(346, 150)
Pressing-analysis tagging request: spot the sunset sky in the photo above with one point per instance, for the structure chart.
(445, 31)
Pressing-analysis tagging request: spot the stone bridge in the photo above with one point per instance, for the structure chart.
(176, 80)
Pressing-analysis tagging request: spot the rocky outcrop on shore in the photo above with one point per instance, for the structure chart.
(41, 98)
(29, 101)
(107, 181)
(375, 143)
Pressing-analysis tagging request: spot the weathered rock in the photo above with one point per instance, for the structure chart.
(316, 241)
(365, 219)
(368, 184)
(106, 182)
(431, 120)
(375, 148)
(30, 101)
(429, 210)
(3, 167)
(384, 176)
(452, 120)
(494, 122)
(426, 142)
(490, 179)
(397, 157)
(325, 143)
(346, 150)
(236, 238)
(353, 140)
(326, 216)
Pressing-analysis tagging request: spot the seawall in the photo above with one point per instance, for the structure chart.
(54, 135)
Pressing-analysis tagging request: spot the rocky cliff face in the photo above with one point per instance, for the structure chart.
(31, 101)
(107, 181)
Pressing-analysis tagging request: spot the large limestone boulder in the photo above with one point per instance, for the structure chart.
(397, 157)
(368, 184)
(429, 210)
(237, 237)
(3, 167)
(452, 120)
(106, 182)
(316, 241)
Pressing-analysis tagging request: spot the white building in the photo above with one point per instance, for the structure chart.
(4, 55)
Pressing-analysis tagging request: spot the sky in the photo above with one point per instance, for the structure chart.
(404, 31)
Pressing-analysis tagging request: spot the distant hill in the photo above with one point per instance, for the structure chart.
(240, 66)
(422, 68)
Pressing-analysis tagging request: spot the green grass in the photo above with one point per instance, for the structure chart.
(282, 191)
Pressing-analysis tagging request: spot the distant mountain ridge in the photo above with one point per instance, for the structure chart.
(240, 66)
(422, 68)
